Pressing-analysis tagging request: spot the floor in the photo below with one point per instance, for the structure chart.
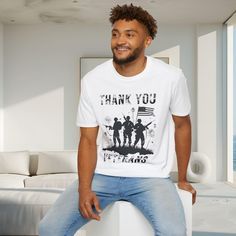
(214, 213)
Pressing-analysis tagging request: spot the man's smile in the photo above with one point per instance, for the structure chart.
(121, 49)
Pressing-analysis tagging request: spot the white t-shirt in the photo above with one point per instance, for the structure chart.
(135, 117)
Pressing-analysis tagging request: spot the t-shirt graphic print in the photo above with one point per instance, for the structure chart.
(134, 115)
(129, 137)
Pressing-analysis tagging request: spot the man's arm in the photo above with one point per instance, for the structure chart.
(87, 159)
(183, 151)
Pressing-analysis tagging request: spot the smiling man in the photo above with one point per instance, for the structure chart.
(149, 95)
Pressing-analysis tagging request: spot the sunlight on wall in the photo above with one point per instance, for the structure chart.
(36, 124)
(206, 97)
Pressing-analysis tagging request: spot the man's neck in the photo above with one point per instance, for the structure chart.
(131, 69)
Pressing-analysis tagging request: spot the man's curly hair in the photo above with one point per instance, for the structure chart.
(131, 12)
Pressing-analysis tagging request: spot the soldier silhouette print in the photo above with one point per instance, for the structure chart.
(116, 135)
(129, 137)
(139, 129)
(128, 128)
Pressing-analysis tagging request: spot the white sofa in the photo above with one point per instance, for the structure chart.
(31, 182)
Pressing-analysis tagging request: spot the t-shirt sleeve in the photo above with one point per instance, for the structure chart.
(180, 102)
(85, 115)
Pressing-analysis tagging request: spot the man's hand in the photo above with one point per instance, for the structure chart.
(184, 185)
(88, 201)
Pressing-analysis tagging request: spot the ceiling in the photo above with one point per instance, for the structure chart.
(64, 11)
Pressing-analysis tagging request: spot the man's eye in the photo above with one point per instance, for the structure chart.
(114, 35)
(130, 35)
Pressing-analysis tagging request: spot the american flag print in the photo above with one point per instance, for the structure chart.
(145, 111)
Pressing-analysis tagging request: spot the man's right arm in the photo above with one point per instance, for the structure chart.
(87, 159)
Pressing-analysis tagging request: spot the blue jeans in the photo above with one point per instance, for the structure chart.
(156, 198)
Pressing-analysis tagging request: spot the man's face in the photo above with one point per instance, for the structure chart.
(129, 40)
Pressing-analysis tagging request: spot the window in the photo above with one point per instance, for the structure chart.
(231, 99)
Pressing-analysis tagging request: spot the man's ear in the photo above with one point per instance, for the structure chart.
(148, 41)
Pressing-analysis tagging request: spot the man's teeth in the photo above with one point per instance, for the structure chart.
(122, 49)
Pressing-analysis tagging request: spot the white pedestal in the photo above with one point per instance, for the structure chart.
(124, 219)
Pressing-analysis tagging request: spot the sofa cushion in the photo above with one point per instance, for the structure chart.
(14, 163)
(57, 162)
(50, 180)
(12, 181)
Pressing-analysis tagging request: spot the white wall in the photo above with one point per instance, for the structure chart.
(42, 64)
(210, 96)
(1, 87)
(41, 81)
(41, 77)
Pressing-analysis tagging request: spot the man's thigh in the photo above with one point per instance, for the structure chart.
(106, 189)
(158, 200)
(64, 216)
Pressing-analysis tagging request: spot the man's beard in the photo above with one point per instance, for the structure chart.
(128, 59)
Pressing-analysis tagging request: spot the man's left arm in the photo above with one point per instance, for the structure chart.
(183, 151)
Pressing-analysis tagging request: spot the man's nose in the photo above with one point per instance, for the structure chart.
(121, 39)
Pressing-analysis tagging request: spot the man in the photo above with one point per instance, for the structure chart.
(106, 176)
